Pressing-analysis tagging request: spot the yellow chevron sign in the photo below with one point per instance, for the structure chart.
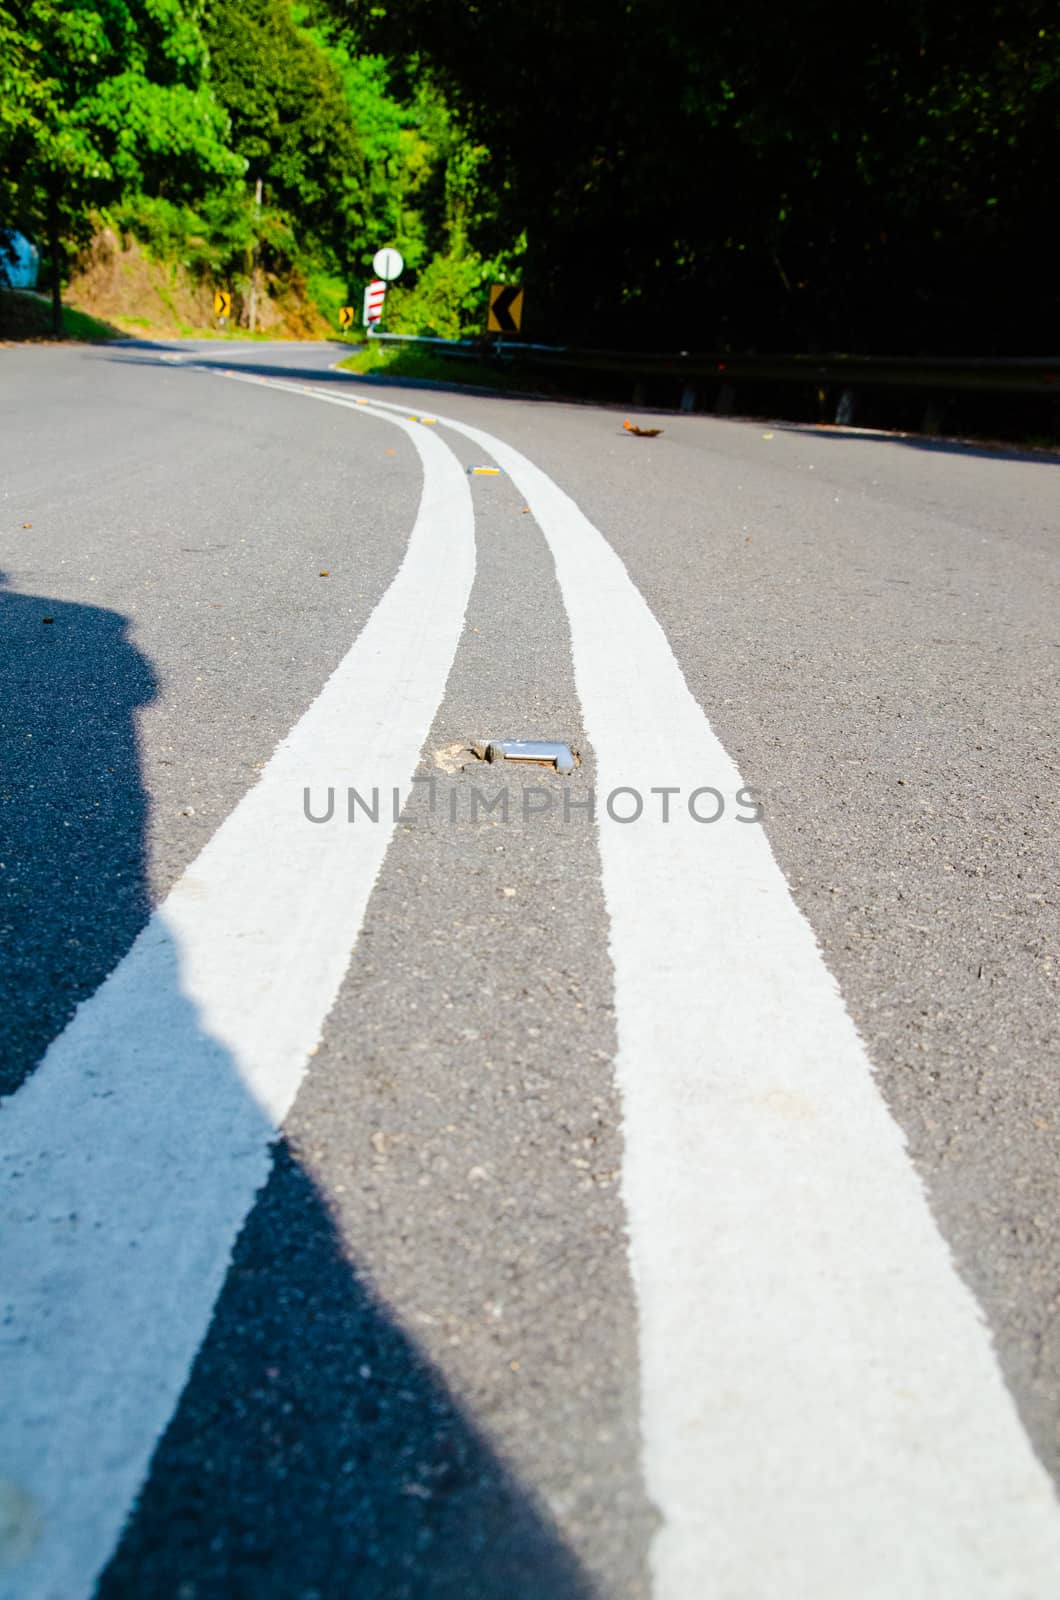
(505, 308)
(345, 316)
(222, 303)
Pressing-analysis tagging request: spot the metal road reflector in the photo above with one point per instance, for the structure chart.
(222, 303)
(505, 309)
(542, 752)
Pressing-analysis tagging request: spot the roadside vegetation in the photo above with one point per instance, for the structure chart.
(658, 174)
(29, 316)
(418, 363)
(134, 135)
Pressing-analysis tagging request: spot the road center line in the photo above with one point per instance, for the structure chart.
(133, 1155)
(823, 1413)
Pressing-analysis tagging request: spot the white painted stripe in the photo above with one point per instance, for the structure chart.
(823, 1414)
(132, 1157)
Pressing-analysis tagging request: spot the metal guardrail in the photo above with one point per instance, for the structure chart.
(1022, 375)
(1016, 374)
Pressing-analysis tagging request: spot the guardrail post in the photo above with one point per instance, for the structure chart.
(847, 409)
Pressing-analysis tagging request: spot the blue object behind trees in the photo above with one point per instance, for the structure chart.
(19, 260)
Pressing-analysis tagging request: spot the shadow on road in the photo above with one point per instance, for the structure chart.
(315, 1451)
(928, 442)
(72, 814)
(367, 381)
(325, 374)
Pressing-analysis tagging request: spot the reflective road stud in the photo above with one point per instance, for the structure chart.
(542, 752)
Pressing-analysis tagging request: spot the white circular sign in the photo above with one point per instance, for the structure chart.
(387, 264)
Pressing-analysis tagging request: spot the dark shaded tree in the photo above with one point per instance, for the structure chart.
(291, 123)
(758, 175)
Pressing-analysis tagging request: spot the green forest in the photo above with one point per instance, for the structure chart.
(657, 173)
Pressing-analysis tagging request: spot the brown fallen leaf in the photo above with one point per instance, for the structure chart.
(47, 619)
(27, 524)
(641, 433)
(325, 573)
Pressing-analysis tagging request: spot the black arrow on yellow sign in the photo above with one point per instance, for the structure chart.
(506, 308)
(345, 316)
(222, 303)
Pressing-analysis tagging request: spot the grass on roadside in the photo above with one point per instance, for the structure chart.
(418, 362)
(29, 316)
(79, 325)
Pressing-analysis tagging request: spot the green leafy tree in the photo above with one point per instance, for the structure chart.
(101, 97)
(291, 123)
(427, 188)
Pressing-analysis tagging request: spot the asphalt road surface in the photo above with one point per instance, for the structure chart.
(423, 1177)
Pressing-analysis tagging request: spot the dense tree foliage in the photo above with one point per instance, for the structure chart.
(421, 188)
(161, 117)
(98, 97)
(291, 121)
(762, 174)
(658, 172)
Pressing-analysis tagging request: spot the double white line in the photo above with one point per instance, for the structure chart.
(822, 1412)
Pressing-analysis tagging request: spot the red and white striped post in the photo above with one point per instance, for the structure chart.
(374, 296)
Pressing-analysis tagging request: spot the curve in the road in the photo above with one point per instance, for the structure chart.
(822, 1408)
(821, 1403)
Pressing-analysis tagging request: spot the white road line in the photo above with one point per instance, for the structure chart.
(131, 1158)
(823, 1414)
